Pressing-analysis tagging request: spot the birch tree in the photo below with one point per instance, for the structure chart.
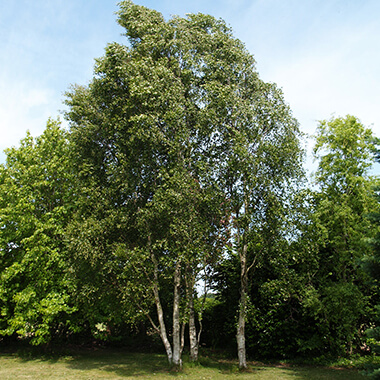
(180, 132)
(262, 169)
(138, 137)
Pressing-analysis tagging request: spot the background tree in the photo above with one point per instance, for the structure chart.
(278, 283)
(371, 264)
(312, 277)
(262, 166)
(36, 197)
(344, 149)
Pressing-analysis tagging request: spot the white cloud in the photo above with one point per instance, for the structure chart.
(23, 107)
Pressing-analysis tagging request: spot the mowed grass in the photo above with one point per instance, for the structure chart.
(116, 364)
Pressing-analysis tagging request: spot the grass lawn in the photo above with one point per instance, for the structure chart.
(116, 364)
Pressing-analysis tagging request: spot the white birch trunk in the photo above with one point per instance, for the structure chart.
(183, 327)
(177, 362)
(240, 335)
(160, 313)
(162, 327)
(194, 344)
(193, 338)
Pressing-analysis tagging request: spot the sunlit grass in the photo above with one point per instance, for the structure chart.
(114, 364)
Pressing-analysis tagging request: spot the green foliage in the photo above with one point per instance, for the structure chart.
(345, 150)
(371, 264)
(308, 294)
(166, 133)
(35, 205)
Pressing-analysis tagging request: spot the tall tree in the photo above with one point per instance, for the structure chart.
(344, 148)
(139, 142)
(260, 165)
(179, 134)
(371, 264)
(35, 204)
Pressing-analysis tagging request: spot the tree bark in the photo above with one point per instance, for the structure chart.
(177, 362)
(183, 327)
(160, 313)
(240, 335)
(193, 337)
(162, 328)
(192, 329)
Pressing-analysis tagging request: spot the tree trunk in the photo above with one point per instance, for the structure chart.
(240, 335)
(194, 344)
(193, 338)
(160, 314)
(177, 362)
(162, 328)
(201, 310)
(183, 327)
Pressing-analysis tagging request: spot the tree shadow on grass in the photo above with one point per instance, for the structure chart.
(257, 370)
(140, 365)
(113, 361)
(134, 365)
(322, 373)
(123, 364)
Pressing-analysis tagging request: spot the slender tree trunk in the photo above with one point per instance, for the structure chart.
(176, 320)
(240, 335)
(194, 344)
(193, 338)
(201, 310)
(160, 313)
(183, 327)
(162, 328)
(163, 333)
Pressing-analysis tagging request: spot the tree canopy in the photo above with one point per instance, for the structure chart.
(35, 206)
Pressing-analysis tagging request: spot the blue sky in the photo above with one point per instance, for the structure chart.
(325, 55)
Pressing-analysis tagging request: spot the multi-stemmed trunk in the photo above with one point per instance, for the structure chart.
(173, 352)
